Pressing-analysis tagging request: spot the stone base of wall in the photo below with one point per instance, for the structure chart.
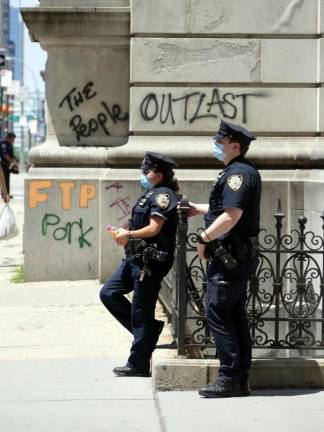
(187, 374)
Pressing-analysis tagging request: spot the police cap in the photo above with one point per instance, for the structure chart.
(234, 131)
(157, 160)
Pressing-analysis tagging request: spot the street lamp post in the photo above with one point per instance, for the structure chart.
(22, 103)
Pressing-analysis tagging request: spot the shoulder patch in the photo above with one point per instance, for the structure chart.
(163, 200)
(235, 182)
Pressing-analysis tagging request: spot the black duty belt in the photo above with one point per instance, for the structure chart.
(139, 248)
(236, 250)
(244, 248)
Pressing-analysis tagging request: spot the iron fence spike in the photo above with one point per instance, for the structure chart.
(279, 209)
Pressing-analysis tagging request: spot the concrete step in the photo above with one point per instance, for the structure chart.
(170, 372)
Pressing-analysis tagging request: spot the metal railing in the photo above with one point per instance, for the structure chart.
(285, 295)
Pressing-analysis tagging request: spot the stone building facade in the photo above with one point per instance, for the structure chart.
(125, 77)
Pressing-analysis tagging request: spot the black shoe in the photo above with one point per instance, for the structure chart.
(11, 196)
(127, 371)
(244, 383)
(221, 389)
(157, 331)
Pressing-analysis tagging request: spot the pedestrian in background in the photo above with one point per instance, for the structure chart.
(229, 242)
(8, 161)
(3, 188)
(149, 246)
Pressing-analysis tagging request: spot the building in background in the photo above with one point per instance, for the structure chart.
(20, 106)
(4, 49)
(4, 23)
(15, 48)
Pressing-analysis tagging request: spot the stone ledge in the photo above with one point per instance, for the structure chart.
(81, 9)
(188, 152)
(66, 22)
(190, 374)
(196, 151)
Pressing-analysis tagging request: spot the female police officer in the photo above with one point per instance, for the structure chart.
(232, 217)
(149, 246)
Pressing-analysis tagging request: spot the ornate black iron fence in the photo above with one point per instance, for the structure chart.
(285, 295)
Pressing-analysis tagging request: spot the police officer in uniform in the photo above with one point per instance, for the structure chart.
(149, 245)
(8, 162)
(229, 241)
(3, 188)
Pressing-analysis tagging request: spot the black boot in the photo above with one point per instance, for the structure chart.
(244, 382)
(157, 331)
(130, 372)
(221, 389)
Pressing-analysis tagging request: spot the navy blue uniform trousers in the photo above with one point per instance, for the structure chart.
(226, 300)
(6, 172)
(138, 316)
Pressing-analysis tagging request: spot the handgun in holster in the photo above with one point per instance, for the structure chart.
(216, 251)
(151, 253)
(245, 249)
(139, 248)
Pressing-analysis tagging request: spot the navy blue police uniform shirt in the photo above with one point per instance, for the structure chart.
(237, 186)
(6, 149)
(159, 201)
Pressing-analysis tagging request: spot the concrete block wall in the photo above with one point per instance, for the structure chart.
(255, 63)
(61, 234)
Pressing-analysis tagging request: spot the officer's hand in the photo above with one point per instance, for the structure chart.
(193, 211)
(201, 248)
(122, 237)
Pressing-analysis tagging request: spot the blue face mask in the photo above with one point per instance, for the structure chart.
(218, 150)
(146, 184)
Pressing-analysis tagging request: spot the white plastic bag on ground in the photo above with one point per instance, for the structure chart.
(8, 226)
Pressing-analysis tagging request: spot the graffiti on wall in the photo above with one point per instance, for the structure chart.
(197, 105)
(106, 115)
(120, 202)
(65, 231)
(51, 223)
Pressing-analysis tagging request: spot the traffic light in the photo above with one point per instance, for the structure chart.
(2, 60)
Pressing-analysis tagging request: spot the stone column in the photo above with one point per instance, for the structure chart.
(87, 97)
(87, 78)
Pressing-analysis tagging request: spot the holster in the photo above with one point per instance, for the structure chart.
(244, 249)
(215, 250)
(141, 248)
(135, 247)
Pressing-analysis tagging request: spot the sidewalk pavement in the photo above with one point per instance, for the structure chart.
(58, 346)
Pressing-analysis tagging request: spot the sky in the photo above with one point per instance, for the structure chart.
(35, 57)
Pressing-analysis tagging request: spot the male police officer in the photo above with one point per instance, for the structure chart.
(229, 241)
